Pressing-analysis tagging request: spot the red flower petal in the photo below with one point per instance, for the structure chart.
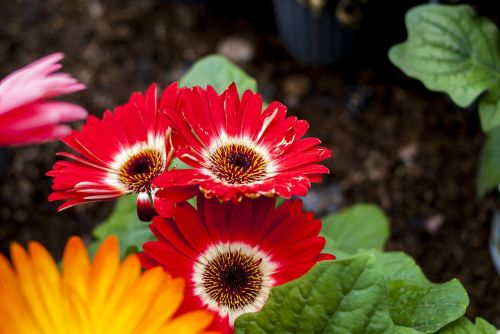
(145, 210)
(205, 245)
(163, 207)
(237, 150)
(118, 154)
(177, 194)
(166, 230)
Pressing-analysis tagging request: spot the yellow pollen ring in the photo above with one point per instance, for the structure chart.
(138, 171)
(233, 279)
(237, 164)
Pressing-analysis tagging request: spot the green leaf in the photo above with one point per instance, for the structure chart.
(123, 223)
(362, 226)
(400, 266)
(341, 297)
(465, 326)
(451, 49)
(414, 301)
(426, 308)
(178, 164)
(406, 330)
(416, 305)
(218, 72)
(488, 174)
(280, 200)
(489, 111)
(131, 250)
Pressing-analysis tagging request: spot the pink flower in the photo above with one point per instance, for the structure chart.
(26, 114)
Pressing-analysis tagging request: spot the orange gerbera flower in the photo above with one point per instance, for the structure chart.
(102, 296)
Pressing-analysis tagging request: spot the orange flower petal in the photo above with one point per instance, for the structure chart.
(78, 316)
(103, 297)
(127, 275)
(29, 288)
(102, 274)
(76, 266)
(144, 292)
(164, 306)
(189, 323)
(48, 280)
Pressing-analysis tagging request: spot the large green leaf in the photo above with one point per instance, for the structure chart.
(362, 226)
(218, 72)
(342, 297)
(124, 224)
(399, 266)
(488, 175)
(428, 307)
(414, 301)
(451, 49)
(415, 304)
(406, 330)
(465, 326)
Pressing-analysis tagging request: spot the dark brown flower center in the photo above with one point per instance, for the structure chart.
(239, 159)
(237, 164)
(140, 169)
(233, 279)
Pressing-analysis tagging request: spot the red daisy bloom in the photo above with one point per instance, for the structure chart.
(26, 114)
(235, 149)
(119, 154)
(231, 255)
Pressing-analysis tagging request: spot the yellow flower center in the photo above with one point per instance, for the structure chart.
(138, 171)
(238, 164)
(233, 279)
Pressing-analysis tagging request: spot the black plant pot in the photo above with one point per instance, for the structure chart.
(191, 2)
(314, 38)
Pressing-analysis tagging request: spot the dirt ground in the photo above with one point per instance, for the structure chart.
(395, 144)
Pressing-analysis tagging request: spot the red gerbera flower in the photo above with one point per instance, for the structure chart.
(235, 149)
(26, 115)
(119, 154)
(231, 255)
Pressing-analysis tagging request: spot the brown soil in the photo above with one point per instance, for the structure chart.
(395, 144)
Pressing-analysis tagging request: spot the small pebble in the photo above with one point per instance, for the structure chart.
(434, 223)
(407, 153)
(236, 49)
(323, 200)
(295, 88)
(358, 99)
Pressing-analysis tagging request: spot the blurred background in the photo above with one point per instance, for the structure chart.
(411, 151)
